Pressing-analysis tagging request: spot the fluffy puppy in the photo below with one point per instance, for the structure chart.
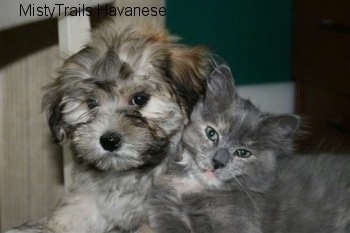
(121, 103)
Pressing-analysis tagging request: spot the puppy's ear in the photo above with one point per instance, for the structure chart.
(73, 71)
(189, 68)
(51, 104)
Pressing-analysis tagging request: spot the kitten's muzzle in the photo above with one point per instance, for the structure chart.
(110, 141)
(220, 158)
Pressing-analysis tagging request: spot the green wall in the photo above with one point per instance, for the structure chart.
(253, 36)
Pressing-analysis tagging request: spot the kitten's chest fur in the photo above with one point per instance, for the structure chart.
(185, 183)
(216, 210)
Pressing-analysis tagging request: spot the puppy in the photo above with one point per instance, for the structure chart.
(121, 103)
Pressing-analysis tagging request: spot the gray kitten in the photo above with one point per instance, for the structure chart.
(237, 174)
(228, 166)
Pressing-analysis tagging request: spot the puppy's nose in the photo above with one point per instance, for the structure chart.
(220, 158)
(110, 141)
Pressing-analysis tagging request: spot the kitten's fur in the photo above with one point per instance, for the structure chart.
(219, 191)
(268, 191)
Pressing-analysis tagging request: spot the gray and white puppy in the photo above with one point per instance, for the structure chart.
(121, 104)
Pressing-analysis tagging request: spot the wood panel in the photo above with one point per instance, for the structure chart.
(327, 118)
(30, 175)
(322, 43)
(321, 70)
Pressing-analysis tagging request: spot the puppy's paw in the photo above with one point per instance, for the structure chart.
(25, 230)
(30, 228)
(13, 231)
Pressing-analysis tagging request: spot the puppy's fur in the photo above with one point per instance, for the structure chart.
(136, 82)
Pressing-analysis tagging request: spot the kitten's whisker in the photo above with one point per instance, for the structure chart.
(247, 192)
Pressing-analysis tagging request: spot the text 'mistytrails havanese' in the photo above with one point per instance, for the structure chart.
(121, 104)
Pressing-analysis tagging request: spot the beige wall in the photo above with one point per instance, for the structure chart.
(2, 162)
(30, 167)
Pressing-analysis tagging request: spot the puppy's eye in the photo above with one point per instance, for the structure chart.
(242, 153)
(212, 134)
(139, 99)
(92, 103)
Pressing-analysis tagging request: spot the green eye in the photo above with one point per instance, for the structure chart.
(242, 153)
(212, 134)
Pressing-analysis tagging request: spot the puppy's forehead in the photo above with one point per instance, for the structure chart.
(110, 67)
(117, 65)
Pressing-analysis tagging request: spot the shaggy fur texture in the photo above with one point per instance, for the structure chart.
(121, 103)
(230, 150)
(240, 174)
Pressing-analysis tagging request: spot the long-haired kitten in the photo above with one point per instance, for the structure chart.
(228, 166)
(239, 174)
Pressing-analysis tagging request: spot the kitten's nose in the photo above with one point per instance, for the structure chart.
(220, 158)
(110, 141)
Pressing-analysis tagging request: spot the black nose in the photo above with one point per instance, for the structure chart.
(217, 164)
(220, 158)
(110, 141)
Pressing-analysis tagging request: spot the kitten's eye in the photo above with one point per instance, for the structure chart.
(212, 134)
(92, 103)
(139, 99)
(242, 153)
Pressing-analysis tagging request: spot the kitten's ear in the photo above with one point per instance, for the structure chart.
(220, 85)
(285, 125)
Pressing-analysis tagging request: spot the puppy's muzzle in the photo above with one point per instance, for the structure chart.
(110, 141)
